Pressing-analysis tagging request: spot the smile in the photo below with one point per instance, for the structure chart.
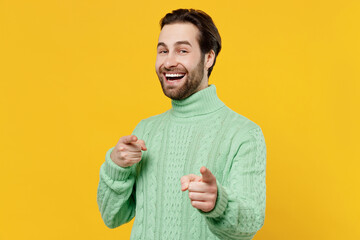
(174, 76)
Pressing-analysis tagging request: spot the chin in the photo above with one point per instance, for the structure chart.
(174, 94)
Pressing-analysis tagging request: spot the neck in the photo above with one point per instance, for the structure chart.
(202, 102)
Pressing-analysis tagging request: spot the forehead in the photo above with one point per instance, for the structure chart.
(172, 33)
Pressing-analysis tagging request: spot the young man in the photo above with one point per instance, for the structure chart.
(154, 172)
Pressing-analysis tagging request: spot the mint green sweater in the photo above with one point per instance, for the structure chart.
(197, 131)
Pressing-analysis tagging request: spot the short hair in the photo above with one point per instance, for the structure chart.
(209, 38)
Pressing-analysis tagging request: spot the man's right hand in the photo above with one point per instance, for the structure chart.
(127, 151)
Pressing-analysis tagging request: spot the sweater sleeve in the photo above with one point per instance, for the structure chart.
(240, 207)
(116, 194)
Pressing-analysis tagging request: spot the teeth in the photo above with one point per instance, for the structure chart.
(174, 75)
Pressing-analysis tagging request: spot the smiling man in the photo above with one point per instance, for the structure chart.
(196, 171)
(180, 62)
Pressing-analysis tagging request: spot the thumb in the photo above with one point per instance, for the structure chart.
(207, 176)
(185, 181)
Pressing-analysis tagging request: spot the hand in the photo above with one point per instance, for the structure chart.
(127, 151)
(202, 189)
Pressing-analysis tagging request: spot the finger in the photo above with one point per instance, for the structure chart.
(196, 196)
(134, 160)
(133, 155)
(142, 144)
(198, 187)
(204, 206)
(131, 147)
(129, 155)
(128, 139)
(207, 176)
(185, 180)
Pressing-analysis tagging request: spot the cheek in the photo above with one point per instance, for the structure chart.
(157, 64)
(191, 62)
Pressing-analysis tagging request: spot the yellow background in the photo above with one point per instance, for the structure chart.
(75, 76)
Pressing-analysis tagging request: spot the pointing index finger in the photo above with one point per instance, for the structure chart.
(207, 176)
(129, 139)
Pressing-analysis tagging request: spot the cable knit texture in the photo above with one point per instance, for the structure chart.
(197, 131)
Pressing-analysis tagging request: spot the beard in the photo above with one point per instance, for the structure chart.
(189, 86)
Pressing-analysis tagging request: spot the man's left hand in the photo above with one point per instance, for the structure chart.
(202, 189)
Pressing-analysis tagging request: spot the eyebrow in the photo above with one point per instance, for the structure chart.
(177, 43)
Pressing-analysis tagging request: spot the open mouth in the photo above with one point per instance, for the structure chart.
(174, 76)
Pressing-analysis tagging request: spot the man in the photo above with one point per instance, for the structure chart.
(154, 173)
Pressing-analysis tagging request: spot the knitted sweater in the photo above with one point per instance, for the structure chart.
(197, 131)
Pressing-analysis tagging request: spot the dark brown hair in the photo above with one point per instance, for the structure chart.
(209, 38)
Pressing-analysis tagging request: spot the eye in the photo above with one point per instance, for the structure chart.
(183, 51)
(162, 51)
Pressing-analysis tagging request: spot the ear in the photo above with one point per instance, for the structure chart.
(209, 59)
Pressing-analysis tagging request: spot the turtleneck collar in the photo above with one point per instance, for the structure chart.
(202, 102)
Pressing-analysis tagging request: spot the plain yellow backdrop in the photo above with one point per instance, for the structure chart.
(75, 76)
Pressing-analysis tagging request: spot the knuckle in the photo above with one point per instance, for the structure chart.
(138, 147)
(182, 181)
(123, 155)
(121, 147)
(213, 189)
(207, 206)
(128, 163)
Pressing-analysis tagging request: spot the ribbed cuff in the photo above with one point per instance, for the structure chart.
(114, 171)
(220, 205)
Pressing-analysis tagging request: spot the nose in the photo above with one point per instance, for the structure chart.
(170, 61)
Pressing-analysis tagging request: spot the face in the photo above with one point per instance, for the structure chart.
(179, 62)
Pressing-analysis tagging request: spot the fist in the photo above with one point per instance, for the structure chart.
(202, 189)
(127, 151)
